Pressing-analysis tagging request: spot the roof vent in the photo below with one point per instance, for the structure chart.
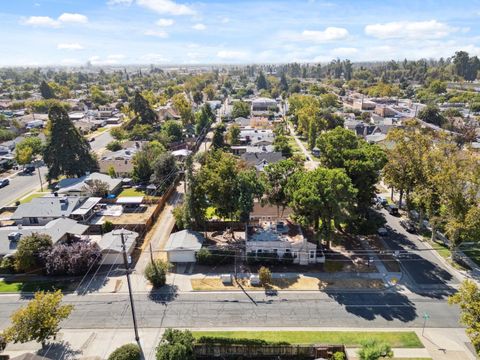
(14, 236)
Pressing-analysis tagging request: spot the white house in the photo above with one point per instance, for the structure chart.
(182, 246)
(281, 238)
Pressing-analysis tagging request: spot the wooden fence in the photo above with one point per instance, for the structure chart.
(209, 351)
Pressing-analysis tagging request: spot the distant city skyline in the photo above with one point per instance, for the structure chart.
(166, 32)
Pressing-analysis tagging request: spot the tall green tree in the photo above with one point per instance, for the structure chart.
(142, 109)
(30, 249)
(468, 298)
(341, 148)
(240, 109)
(183, 108)
(322, 195)
(164, 171)
(249, 189)
(276, 177)
(67, 152)
(39, 320)
(176, 345)
(261, 82)
(46, 91)
(233, 135)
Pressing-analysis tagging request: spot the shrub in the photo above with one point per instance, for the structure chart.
(114, 145)
(7, 265)
(214, 257)
(265, 275)
(29, 251)
(287, 258)
(374, 350)
(72, 259)
(212, 340)
(156, 272)
(126, 352)
(107, 226)
(176, 345)
(338, 356)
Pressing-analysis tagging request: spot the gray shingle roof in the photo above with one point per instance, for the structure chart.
(56, 229)
(45, 207)
(77, 184)
(185, 239)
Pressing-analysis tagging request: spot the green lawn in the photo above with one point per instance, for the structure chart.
(131, 192)
(349, 338)
(30, 286)
(473, 254)
(32, 196)
(10, 287)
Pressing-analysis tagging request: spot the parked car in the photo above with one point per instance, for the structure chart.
(28, 169)
(408, 225)
(381, 201)
(4, 182)
(382, 231)
(393, 210)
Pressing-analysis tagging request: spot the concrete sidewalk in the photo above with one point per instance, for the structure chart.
(440, 344)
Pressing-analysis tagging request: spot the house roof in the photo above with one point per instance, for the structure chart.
(259, 158)
(45, 207)
(56, 229)
(185, 239)
(86, 206)
(130, 200)
(77, 184)
(113, 240)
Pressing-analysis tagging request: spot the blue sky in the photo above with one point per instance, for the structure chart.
(72, 32)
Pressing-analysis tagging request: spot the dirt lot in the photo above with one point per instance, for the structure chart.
(295, 283)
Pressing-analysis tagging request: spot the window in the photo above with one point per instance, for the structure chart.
(259, 251)
(312, 254)
(275, 251)
(33, 220)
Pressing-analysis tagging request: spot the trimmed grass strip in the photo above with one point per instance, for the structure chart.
(396, 339)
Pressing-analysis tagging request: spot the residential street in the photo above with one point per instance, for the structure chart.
(21, 185)
(421, 264)
(309, 163)
(297, 309)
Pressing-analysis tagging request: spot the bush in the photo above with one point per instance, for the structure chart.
(7, 265)
(338, 356)
(72, 259)
(176, 345)
(126, 352)
(265, 275)
(29, 251)
(212, 340)
(263, 258)
(287, 258)
(156, 272)
(107, 227)
(114, 145)
(214, 257)
(374, 350)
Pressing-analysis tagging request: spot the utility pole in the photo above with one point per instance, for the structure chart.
(127, 268)
(151, 252)
(40, 178)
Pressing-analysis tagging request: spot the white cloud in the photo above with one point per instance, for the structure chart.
(73, 18)
(43, 21)
(225, 20)
(69, 46)
(166, 7)
(431, 29)
(158, 33)
(165, 22)
(199, 27)
(329, 34)
(109, 60)
(232, 55)
(47, 21)
(344, 51)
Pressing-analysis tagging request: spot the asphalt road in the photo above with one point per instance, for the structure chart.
(21, 185)
(194, 310)
(421, 263)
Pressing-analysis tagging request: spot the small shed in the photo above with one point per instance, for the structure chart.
(182, 246)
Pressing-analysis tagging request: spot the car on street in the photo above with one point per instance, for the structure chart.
(408, 225)
(28, 169)
(4, 182)
(382, 201)
(393, 210)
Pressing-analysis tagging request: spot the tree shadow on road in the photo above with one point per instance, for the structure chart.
(164, 295)
(59, 351)
(369, 306)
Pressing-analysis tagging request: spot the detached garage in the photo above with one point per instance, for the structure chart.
(182, 246)
(111, 246)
